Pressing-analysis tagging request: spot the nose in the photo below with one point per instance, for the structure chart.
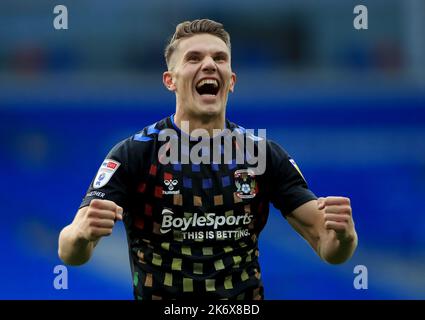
(209, 65)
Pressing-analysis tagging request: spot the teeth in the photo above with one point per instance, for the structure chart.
(207, 81)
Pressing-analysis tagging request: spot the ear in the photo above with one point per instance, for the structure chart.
(167, 79)
(232, 82)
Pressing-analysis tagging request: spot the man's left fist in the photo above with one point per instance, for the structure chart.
(338, 216)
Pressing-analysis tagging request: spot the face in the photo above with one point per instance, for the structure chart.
(201, 76)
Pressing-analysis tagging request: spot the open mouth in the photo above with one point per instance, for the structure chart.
(208, 87)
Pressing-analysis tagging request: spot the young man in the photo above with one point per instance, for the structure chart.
(193, 226)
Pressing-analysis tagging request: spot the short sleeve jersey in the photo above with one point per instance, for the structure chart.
(193, 226)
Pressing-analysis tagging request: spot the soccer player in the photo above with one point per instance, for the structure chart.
(193, 226)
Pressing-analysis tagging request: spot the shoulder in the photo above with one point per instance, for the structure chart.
(144, 137)
(276, 150)
(150, 132)
(255, 134)
(259, 136)
(140, 143)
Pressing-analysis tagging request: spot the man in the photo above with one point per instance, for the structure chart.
(193, 226)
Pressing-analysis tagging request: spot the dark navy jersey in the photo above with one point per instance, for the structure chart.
(193, 228)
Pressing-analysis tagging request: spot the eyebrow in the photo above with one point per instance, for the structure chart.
(198, 53)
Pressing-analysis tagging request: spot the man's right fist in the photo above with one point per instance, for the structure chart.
(98, 219)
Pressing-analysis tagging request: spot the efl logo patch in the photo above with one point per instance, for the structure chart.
(245, 183)
(105, 173)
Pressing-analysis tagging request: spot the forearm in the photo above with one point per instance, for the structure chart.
(334, 250)
(74, 250)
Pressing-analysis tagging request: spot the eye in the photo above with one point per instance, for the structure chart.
(220, 58)
(193, 59)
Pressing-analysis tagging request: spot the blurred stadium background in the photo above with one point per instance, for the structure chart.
(348, 105)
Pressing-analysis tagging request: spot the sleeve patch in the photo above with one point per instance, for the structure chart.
(105, 173)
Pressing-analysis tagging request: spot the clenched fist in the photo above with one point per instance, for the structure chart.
(98, 219)
(338, 216)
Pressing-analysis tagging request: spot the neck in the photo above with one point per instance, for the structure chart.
(207, 122)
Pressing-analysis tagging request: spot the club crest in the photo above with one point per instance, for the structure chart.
(246, 186)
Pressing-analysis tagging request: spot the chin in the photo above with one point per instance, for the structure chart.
(211, 110)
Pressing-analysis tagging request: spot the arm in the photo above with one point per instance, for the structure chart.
(77, 240)
(328, 227)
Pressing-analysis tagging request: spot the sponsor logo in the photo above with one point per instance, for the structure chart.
(95, 194)
(111, 165)
(246, 186)
(105, 173)
(183, 224)
(171, 184)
